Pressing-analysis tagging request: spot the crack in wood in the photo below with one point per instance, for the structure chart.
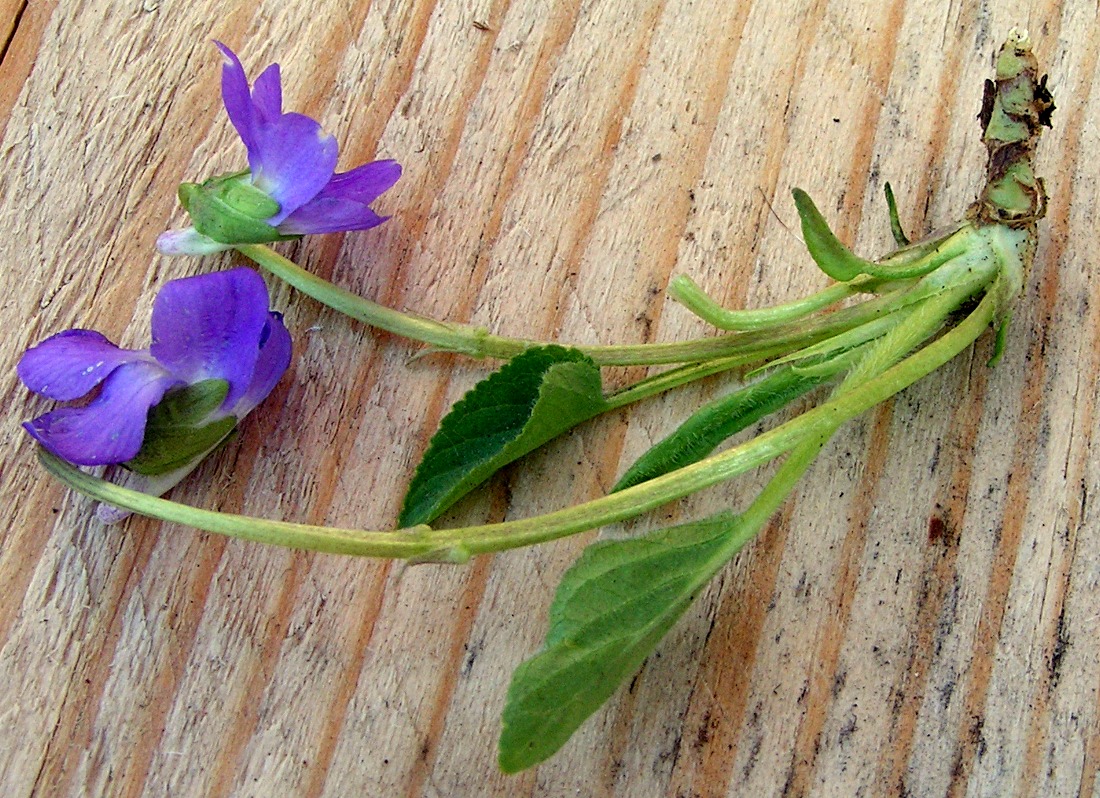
(10, 37)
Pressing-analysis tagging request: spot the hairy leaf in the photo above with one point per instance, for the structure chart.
(536, 396)
(718, 420)
(612, 608)
(831, 256)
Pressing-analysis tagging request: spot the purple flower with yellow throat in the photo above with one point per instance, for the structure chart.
(291, 187)
(217, 352)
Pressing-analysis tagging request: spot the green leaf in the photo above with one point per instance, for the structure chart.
(612, 608)
(831, 256)
(718, 420)
(840, 263)
(178, 430)
(896, 229)
(533, 398)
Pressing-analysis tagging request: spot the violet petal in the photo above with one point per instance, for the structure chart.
(363, 183)
(330, 216)
(209, 327)
(267, 95)
(293, 160)
(270, 365)
(238, 99)
(70, 364)
(111, 428)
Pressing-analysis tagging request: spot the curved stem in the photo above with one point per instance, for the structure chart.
(688, 293)
(469, 340)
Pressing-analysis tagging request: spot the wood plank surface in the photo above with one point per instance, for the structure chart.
(921, 619)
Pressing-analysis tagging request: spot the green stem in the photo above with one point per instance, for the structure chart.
(775, 492)
(863, 357)
(688, 293)
(966, 284)
(845, 341)
(477, 342)
(455, 545)
(674, 378)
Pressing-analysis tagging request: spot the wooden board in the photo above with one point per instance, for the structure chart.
(920, 619)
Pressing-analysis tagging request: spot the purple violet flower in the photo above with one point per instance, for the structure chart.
(291, 188)
(217, 352)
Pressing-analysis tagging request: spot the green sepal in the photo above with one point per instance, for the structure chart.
(230, 210)
(177, 430)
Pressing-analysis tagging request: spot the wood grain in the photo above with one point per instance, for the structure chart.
(919, 620)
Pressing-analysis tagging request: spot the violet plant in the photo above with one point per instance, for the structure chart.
(926, 302)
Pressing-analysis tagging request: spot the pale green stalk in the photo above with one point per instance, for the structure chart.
(688, 293)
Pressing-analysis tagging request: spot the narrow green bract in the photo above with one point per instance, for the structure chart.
(534, 397)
